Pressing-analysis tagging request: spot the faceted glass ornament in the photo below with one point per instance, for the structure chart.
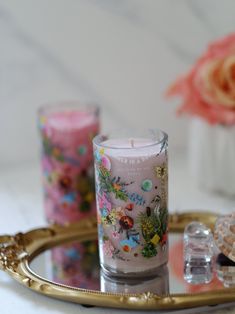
(225, 270)
(198, 253)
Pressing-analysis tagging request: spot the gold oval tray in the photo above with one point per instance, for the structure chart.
(16, 253)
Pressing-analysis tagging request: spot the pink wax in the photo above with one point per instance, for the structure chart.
(69, 121)
(67, 161)
(131, 180)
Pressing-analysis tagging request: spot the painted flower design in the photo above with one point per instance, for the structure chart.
(104, 220)
(108, 248)
(109, 220)
(99, 219)
(126, 248)
(65, 182)
(126, 222)
(119, 212)
(103, 202)
(129, 207)
(115, 235)
(97, 156)
(164, 238)
(112, 219)
(106, 163)
(104, 212)
(148, 228)
(131, 242)
(118, 202)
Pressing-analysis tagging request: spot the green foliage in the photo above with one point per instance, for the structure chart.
(107, 184)
(151, 225)
(48, 149)
(149, 250)
(104, 172)
(120, 194)
(164, 220)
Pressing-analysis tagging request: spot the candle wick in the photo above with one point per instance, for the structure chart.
(132, 143)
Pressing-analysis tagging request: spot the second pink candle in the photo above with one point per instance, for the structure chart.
(67, 161)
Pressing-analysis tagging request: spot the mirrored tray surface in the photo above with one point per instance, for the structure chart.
(62, 262)
(77, 265)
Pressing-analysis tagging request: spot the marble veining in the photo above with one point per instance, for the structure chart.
(121, 54)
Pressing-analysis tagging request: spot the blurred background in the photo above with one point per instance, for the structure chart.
(122, 54)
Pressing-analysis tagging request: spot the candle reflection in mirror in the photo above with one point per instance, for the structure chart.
(76, 265)
(158, 284)
(176, 266)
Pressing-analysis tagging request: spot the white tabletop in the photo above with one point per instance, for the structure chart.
(21, 209)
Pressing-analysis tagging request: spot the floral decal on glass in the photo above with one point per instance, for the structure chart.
(131, 224)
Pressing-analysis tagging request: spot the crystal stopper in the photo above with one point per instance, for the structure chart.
(198, 253)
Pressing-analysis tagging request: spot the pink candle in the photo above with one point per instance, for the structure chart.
(67, 161)
(131, 192)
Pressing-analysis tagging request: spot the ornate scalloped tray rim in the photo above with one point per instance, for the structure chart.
(17, 251)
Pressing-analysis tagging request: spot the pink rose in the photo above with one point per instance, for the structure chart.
(208, 89)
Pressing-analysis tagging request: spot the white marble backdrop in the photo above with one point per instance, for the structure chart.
(120, 53)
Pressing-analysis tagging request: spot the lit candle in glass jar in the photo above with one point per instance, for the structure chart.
(131, 193)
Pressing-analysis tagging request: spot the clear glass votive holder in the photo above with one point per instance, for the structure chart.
(131, 173)
(67, 130)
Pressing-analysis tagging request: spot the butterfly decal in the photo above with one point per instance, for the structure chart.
(161, 172)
